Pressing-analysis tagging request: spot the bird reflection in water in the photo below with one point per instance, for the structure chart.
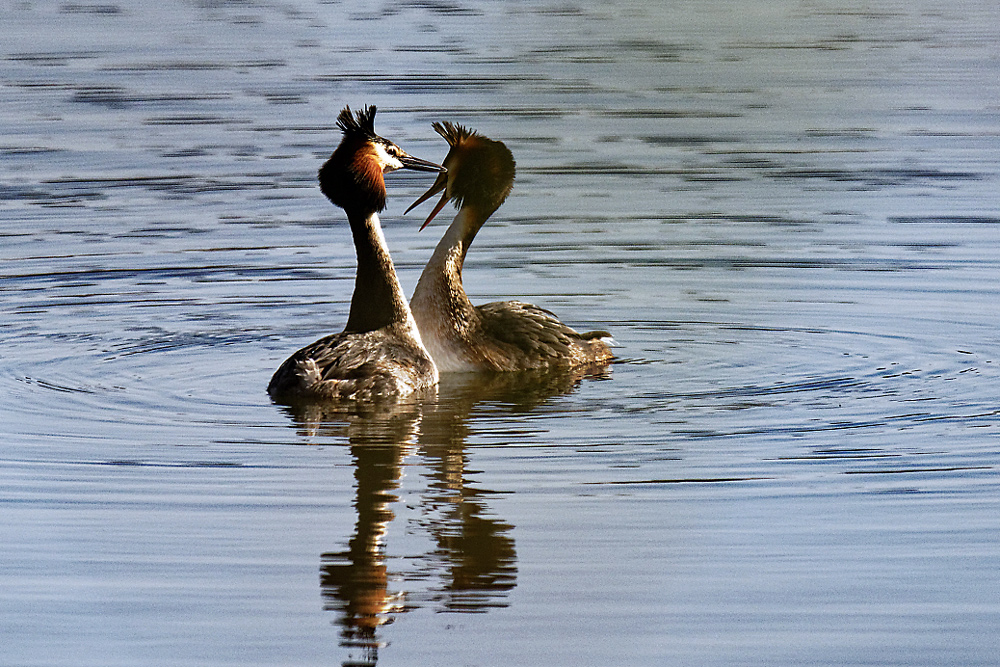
(355, 582)
(471, 565)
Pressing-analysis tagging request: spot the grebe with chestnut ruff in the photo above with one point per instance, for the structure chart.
(380, 352)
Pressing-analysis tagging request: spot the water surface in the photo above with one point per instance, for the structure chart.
(786, 212)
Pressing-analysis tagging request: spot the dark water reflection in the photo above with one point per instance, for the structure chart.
(471, 565)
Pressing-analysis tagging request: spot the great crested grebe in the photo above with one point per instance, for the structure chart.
(499, 336)
(379, 352)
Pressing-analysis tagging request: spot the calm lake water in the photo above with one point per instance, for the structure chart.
(786, 212)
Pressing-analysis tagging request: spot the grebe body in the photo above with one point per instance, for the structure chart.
(498, 336)
(380, 352)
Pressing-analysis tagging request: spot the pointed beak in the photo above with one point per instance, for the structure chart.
(437, 209)
(415, 163)
(439, 185)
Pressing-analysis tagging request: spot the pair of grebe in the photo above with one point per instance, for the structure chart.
(389, 350)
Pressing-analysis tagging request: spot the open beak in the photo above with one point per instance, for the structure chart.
(439, 185)
(415, 163)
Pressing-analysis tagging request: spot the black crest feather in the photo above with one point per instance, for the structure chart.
(359, 124)
(453, 133)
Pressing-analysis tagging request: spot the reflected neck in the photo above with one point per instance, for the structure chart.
(378, 299)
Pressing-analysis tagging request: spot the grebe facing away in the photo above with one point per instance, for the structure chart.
(379, 353)
(499, 336)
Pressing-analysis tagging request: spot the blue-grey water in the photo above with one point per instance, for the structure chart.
(786, 211)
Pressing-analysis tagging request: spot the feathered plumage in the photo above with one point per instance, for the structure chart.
(356, 366)
(380, 353)
(499, 336)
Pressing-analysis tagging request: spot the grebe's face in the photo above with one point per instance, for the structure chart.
(388, 155)
(391, 157)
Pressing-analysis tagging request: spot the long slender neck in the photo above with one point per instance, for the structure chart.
(378, 298)
(441, 281)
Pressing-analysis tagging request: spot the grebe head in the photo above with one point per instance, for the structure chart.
(480, 172)
(352, 177)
